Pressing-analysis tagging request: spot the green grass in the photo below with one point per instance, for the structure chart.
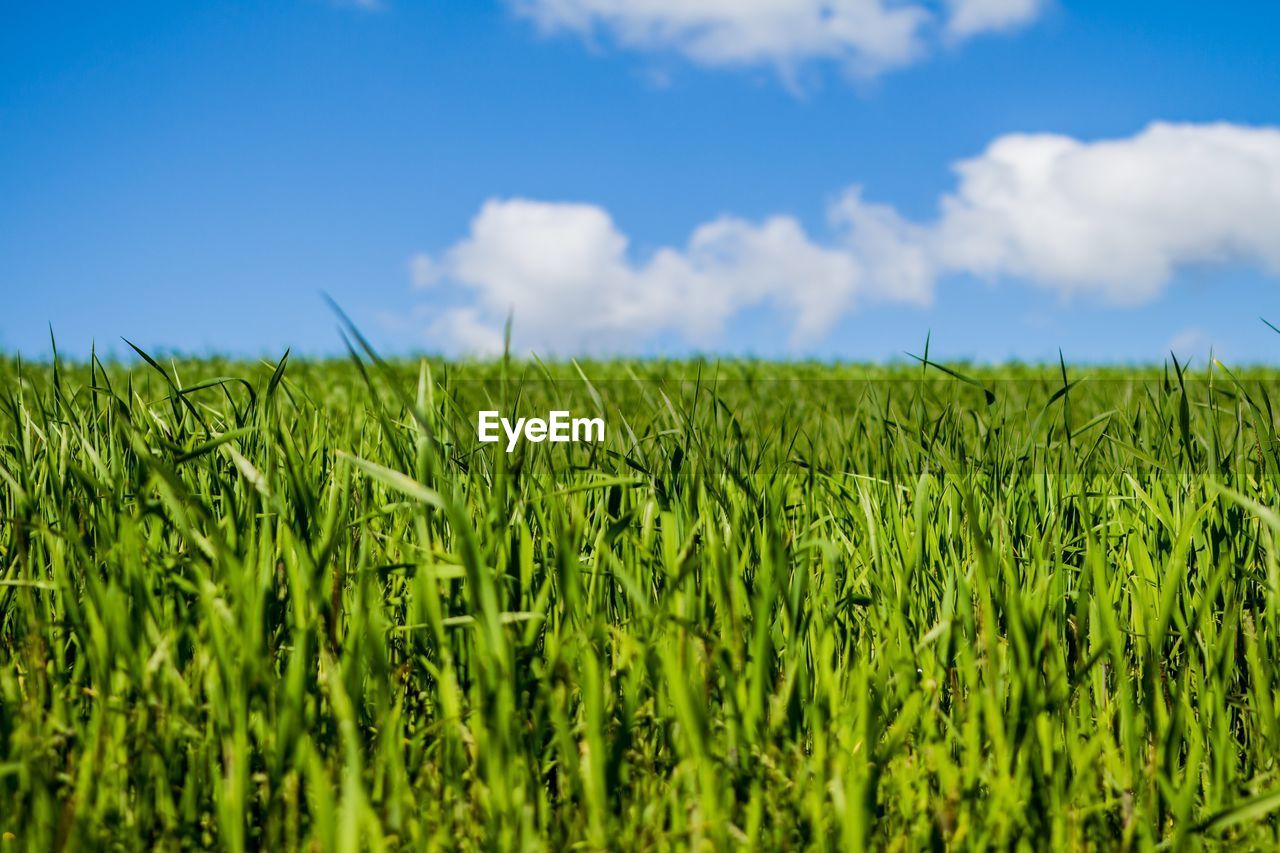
(248, 606)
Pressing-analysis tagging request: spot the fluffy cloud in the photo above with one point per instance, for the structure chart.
(1111, 220)
(564, 272)
(865, 36)
(1114, 218)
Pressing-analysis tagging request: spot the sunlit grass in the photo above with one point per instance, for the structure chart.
(280, 606)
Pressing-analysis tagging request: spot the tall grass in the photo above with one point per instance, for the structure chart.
(299, 605)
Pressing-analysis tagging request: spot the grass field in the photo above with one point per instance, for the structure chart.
(300, 606)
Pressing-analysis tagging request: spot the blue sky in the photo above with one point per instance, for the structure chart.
(193, 176)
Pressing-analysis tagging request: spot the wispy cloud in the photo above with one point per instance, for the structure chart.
(1187, 344)
(969, 18)
(864, 37)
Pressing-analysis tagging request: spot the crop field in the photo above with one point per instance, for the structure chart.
(299, 605)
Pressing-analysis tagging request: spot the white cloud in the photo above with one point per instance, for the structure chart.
(972, 17)
(894, 252)
(465, 332)
(864, 36)
(563, 270)
(1112, 220)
